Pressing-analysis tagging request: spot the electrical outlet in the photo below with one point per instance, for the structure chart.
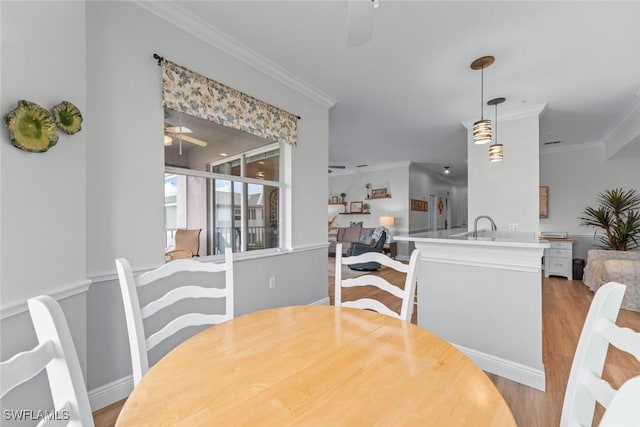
(513, 227)
(272, 282)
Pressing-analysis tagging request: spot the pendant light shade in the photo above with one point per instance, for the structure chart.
(496, 153)
(482, 131)
(482, 128)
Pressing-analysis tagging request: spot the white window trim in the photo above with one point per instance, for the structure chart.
(283, 233)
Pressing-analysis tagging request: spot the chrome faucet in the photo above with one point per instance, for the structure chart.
(475, 224)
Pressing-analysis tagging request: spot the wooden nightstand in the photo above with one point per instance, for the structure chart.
(391, 249)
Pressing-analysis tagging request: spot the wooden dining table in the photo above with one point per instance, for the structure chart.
(315, 365)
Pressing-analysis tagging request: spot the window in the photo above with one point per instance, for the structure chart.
(223, 181)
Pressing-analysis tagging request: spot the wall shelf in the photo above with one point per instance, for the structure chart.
(381, 197)
(354, 213)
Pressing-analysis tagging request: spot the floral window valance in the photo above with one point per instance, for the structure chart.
(189, 92)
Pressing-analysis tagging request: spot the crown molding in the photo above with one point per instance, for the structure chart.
(520, 113)
(626, 119)
(170, 11)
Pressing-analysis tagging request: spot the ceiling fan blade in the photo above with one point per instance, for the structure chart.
(359, 22)
(190, 139)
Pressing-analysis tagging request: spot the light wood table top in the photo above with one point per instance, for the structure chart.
(315, 365)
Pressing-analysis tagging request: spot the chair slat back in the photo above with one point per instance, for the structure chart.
(586, 386)
(135, 314)
(405, 293)
(56, 353)
(24, 366)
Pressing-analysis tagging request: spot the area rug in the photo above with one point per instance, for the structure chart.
(347, 273)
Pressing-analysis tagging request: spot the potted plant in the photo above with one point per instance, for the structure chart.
(343, 195)
(365, 208)
(619, 217)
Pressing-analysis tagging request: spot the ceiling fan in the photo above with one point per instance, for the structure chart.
(360, 21)
(180, 133)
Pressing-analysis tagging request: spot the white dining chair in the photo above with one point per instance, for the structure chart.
(586, 385)
(624, 410)
(56, 353)
(406, 293)
(139, 343)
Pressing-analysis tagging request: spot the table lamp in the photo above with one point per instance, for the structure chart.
(387, 222)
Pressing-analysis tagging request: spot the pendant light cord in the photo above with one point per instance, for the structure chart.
(482, 93)
(495, 127)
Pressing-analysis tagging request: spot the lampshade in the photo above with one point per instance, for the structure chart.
(387, 221)
(482, 132)
(482, 128)
(167, 140)
(495, 153)
(495, 150)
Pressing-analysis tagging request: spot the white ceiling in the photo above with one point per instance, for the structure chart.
(402, 96)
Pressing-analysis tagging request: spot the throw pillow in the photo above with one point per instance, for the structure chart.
(351, 234)
(333, 234)
(366, 236)
(355, 224)
(377, 233)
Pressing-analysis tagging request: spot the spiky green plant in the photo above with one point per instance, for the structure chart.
(618, 215)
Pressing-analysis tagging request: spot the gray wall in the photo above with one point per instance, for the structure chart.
(108, 342)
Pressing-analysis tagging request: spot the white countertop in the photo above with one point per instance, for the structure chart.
(484, 238)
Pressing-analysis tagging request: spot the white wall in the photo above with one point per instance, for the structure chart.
(43, 194)
(422, 184)
(507, 190)
(126, 177)
(575, 178)
(353, 185)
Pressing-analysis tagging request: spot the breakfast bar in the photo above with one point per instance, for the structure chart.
(482, 293)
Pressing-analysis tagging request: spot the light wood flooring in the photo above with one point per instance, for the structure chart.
(564, 307)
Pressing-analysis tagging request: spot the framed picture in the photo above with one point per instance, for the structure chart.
(544, 202)
(356, 207)
(419, 205)
(378, 192)
(335, 200)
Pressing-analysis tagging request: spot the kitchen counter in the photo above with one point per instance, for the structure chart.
(483, 294)
(484, 237)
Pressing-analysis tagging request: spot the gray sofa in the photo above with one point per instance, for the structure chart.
(349, 236)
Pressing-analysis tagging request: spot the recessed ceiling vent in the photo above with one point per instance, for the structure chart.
(552, 142)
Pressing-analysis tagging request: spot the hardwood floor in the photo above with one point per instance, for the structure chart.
(564, 307)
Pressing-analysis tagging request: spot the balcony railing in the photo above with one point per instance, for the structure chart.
(258, 237)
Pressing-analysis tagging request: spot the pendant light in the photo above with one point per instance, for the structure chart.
(482, 128)
(495, 150)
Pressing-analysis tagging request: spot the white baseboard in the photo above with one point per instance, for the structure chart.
(506, 368)
(110, 393)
